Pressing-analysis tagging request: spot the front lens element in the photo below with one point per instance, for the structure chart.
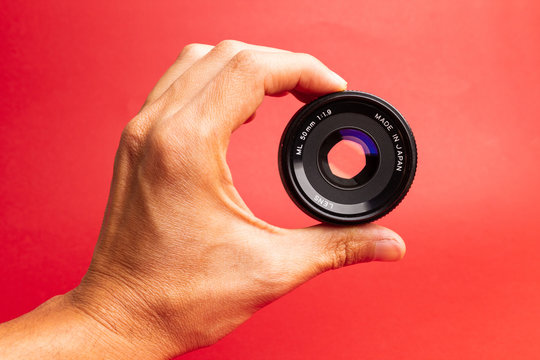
(348, 158)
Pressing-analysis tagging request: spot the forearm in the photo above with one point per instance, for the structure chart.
(58, 330)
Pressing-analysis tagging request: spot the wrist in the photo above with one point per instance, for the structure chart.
(121, 311)
(57, 329)
(98, 341)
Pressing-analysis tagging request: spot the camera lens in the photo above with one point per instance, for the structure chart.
(347, 157)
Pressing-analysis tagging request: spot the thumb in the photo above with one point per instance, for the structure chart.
(325, 247)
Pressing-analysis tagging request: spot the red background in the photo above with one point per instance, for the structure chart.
(464, 74)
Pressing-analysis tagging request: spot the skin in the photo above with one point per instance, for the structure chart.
(181, 261)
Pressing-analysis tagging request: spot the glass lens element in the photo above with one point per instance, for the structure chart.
(348, 158)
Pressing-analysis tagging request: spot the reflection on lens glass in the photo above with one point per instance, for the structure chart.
(349, 158)
(346, 159)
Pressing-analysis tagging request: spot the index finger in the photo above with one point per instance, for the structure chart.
(237, 91)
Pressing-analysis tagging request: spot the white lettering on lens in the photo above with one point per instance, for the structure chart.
(324, 114)
(299, 149)
(399, 153)
(384, 122)
(323, 202)
(308, 129)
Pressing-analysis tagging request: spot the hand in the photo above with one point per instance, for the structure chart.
(181, 261)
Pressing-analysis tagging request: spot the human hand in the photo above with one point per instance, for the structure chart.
(181, 261)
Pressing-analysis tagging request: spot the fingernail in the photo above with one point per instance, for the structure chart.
(388, 250)
(339, 79)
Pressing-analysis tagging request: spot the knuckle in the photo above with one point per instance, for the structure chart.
(308, 58)
(346, 249)
(174, 147)
(161, 140)
(133, 135)
(341, 253)
(245, 59)
(192, 50)
(162, 147)
(230, 45)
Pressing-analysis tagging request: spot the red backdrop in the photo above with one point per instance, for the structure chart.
(464, 74)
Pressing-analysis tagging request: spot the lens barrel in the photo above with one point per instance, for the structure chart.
(386, 151)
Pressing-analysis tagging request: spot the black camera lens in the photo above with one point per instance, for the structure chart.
(346, 158)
